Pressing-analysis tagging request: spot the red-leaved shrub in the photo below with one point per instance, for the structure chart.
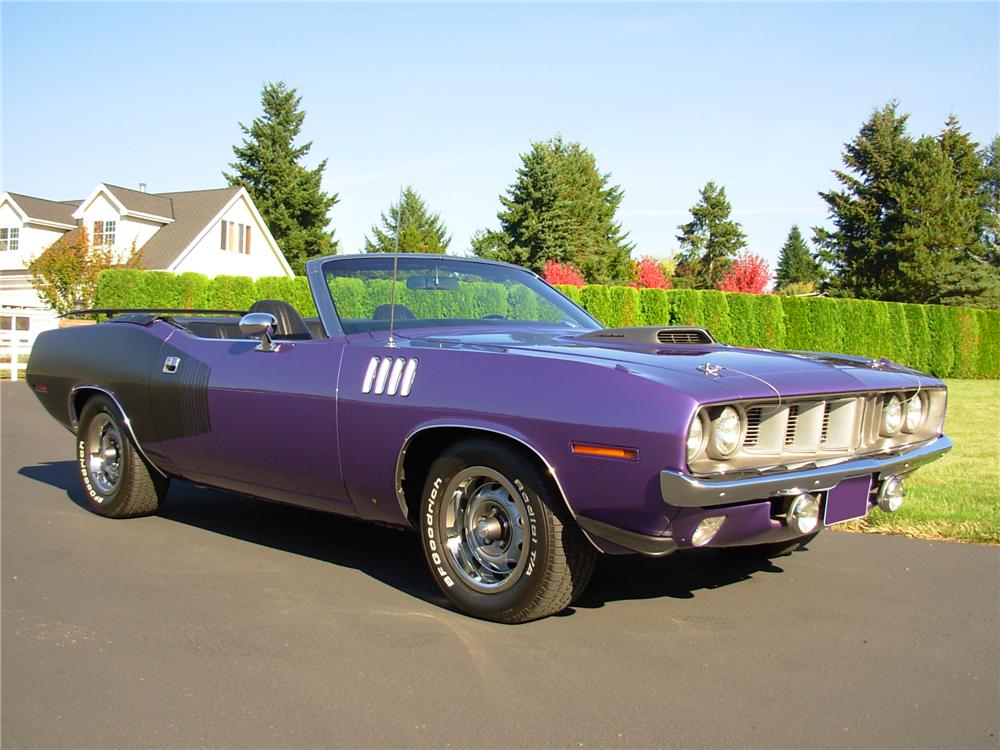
(649, 274)
(562, 273)
(749, 273)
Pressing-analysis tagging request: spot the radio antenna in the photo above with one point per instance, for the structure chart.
(395, 268)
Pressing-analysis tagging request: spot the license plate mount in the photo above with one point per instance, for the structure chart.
(847, 501)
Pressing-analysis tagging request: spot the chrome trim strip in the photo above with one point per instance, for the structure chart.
(401, 498)
(74, 420)
(322, 299)
(685, 491)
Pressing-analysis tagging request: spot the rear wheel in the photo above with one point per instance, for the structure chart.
(499, 541)
(117, 480)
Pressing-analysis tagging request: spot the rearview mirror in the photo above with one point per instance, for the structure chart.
(260, 325)
(431, 282)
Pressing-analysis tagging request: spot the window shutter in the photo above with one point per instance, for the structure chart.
(222, 243)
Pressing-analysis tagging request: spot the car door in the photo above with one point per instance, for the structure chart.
(263, 423)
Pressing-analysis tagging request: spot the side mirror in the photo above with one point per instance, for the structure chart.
(260, 325)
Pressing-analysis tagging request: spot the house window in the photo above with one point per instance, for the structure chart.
(104, 234)
(235, 237)
(10, 238)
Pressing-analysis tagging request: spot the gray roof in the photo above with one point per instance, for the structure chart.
(192, 210)
(46, 210)
(144, 203)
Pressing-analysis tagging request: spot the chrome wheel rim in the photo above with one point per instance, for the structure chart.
(484, 525)
(104, 446)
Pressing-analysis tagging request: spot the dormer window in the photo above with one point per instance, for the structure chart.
(10, 238)
(235, 237)
(104, 234)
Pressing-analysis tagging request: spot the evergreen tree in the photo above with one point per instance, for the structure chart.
(796, 264)
(561, 208)
(710, 241)
(865, 213)
(419, 231)
(966, 163)
(289, 197)
(910, 216)
(989, 231)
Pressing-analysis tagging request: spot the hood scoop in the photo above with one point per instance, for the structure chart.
(651, 335)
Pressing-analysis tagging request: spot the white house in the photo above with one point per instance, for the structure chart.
(208, 231)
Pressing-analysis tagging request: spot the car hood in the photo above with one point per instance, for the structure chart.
(706, 371)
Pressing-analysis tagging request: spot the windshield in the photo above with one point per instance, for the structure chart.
(444, 291)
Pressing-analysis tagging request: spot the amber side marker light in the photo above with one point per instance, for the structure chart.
(604, 451)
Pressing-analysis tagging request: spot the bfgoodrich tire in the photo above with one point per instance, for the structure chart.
(498, 540)
(116, 479)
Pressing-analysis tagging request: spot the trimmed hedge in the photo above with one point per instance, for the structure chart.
(945, 341)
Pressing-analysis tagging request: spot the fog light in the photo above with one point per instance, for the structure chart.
(803, 514)
(891, 494)
(707, 530)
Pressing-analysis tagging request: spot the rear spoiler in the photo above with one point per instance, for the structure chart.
(112, 311)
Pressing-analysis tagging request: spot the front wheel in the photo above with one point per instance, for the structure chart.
(499, 541)
(116, 478)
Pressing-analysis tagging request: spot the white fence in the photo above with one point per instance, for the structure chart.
(18, 330)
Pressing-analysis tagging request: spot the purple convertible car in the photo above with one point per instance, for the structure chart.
(473, 402)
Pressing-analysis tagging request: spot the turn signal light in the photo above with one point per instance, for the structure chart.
(604, 451)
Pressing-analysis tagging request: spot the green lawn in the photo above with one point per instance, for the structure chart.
(957, 497)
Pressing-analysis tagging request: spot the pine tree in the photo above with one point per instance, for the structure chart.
(989, 230)
(966, 163)
(419, 230)
(796, 264)
(561, 208)
(865, 212)
(289, 196)
(711, 240)
(910, 217)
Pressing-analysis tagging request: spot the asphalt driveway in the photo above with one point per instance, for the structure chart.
(228, 622)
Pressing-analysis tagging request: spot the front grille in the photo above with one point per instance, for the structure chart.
(753, 426)
(799, 431)
(826, 423)
(793, 420)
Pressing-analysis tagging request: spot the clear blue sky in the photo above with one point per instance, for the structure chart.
(759, 98)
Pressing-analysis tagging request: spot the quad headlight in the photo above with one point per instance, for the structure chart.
(727, 432)
(892, 416)
(914, 416)
(719, 436)
(696, 437)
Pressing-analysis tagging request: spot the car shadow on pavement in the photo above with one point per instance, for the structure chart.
(394, 556)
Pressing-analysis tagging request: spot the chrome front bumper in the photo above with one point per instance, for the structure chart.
(685, 491)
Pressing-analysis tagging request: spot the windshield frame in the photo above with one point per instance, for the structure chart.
(326, 308)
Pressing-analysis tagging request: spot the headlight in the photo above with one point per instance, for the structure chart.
(696, 438)
(892, 416)
(914, 413)
(727, 431)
